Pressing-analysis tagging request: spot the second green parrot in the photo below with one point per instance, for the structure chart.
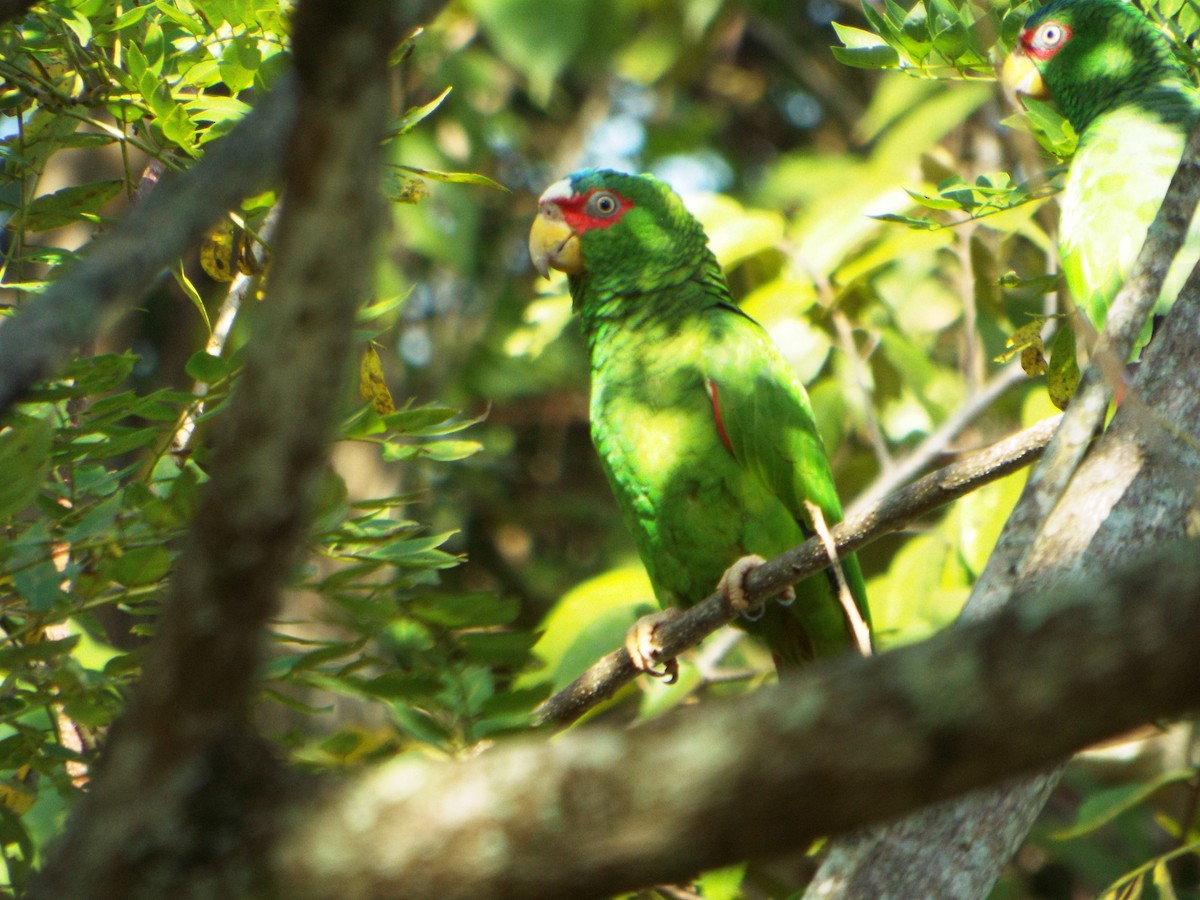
(704, 431)
(1115, 78)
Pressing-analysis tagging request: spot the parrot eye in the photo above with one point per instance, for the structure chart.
(1050, 36)
(603, 204)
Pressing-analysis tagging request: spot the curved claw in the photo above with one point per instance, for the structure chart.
(641, 643)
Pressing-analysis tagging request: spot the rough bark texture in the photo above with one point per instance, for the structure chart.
(181, 802)
(601, 810)
(1131, 494)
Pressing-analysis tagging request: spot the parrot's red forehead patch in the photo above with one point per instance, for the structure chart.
(597, 208)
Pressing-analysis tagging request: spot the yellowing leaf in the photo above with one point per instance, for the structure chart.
(219, 252)
(399, 189)
(371, 384)
(17, 797)
(1033, 362)
(1063, 376)
(1027, 340)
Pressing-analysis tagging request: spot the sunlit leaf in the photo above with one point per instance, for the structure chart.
(454, 177)
(413, 116)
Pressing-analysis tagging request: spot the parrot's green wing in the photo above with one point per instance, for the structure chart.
(763, 414)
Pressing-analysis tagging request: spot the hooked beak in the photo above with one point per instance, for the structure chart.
(552, 242)
(1020, 77)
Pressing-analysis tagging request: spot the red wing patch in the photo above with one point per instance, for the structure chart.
(716, 406)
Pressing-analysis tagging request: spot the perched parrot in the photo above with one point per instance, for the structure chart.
(1115, 78)
(704, 431)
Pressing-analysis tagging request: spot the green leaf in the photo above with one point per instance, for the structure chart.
(190, 24)
(1102, 806)
(178, 128)
(1049, 126)
(126, 19)
(863, 50)
(70, 205)
(80, 26)
(450, 451)
(590, 620)
(415, 114)
(498, 649)
(154, 47)
(475, 610)
(239, 61)
(156, 93)
(455, 177)
(138, 566)
(191, 293)
(24, 460)
(203, 366)
(39, 585)
(406, 687)
(537, 39)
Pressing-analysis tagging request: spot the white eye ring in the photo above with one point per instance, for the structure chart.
(1049, 35)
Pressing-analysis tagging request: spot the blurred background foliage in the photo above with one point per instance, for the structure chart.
(877, 205)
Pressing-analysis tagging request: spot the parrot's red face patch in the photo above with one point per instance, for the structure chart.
(1047, 39)
(598, 208)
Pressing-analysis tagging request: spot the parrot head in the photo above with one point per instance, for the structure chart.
(1091, 56)
(622, 234)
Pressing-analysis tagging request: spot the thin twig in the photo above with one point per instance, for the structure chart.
(239, 289)
(859, 630)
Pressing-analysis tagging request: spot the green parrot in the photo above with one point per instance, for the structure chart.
(1115, 78)
(704, 431)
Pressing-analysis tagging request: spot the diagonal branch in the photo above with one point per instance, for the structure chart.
(961, 477)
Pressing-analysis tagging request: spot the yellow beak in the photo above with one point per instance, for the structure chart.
(552, 243)
(1020, 76)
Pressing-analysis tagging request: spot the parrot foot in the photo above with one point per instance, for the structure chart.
(732, 587)
(641, 643)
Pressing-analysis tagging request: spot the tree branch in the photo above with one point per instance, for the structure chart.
(1125, 500)
(961, 477)
(602, 809)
